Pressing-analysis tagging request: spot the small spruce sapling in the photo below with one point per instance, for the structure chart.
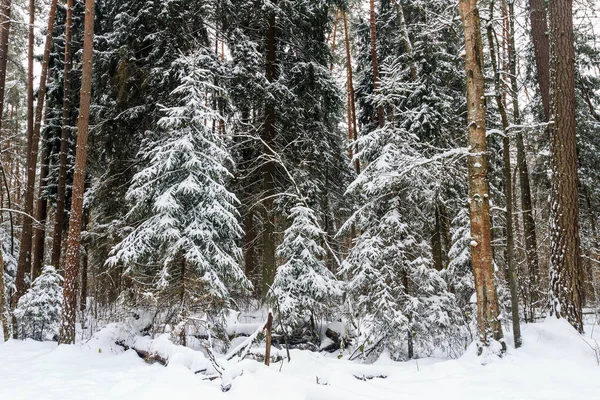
(38, 311)
(303, 285)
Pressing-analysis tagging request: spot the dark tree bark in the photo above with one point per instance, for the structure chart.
(5, 13)
(59, 216)
(3, 319)
(268, 169)
(41, 212)
(374, 63)
(24, 263)
(436, 240)
(479, 194)
(506, 169)
(83, 291)
(529, 232)
(406, 39)
(268, 328)
(69, 307)
(333, 42)
(249, 266)
(565, 257)
(541, 48)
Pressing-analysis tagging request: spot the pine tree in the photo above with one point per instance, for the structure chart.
(565, 248)
(69, 309)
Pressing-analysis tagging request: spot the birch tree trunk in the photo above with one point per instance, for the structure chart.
(479, 198)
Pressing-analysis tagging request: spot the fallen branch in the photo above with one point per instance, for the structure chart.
(148, 357)
(369, 377)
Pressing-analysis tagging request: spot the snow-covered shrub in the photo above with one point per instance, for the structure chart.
(38, 311)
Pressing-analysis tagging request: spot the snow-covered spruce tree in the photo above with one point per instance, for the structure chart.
(409, 169)
(8, 272)
(136, 45)
(288, 108)
(303, 287)
(404, 301)
(38, 311)
(185, 240)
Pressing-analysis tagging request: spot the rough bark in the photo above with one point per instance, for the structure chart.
(268, 329)
(83, 291)
(541, 48)
(41, 212)
(445, 227)
(24, 263)
(268, 169)
(352, 125)
(69, 308)
(374, 63)
(479, 198)
(249, 245)
(3, 319)
(333, 42)
(59, 215)
(436, 241)
(5, 13)
(506, 169)
(529, 230)
(406, 39)
(565, 258)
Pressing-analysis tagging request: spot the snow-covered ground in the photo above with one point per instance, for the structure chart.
(554, 363)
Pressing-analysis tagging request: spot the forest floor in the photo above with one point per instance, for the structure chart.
(554, 363)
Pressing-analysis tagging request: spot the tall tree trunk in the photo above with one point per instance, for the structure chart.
(529, 232)
(268, 169)
(406, 39)
(83, 288)
(69, 307)
(3, 319)
(541, 48)
(59, 216)
(436, 240)
(565, 258)
(24, 263)
(249, 247)
(352, 124)
(41, 212)
(374, 63)
(479, 194)
(333, 43)
(5, 12)
(506, 169)
(30, 96)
